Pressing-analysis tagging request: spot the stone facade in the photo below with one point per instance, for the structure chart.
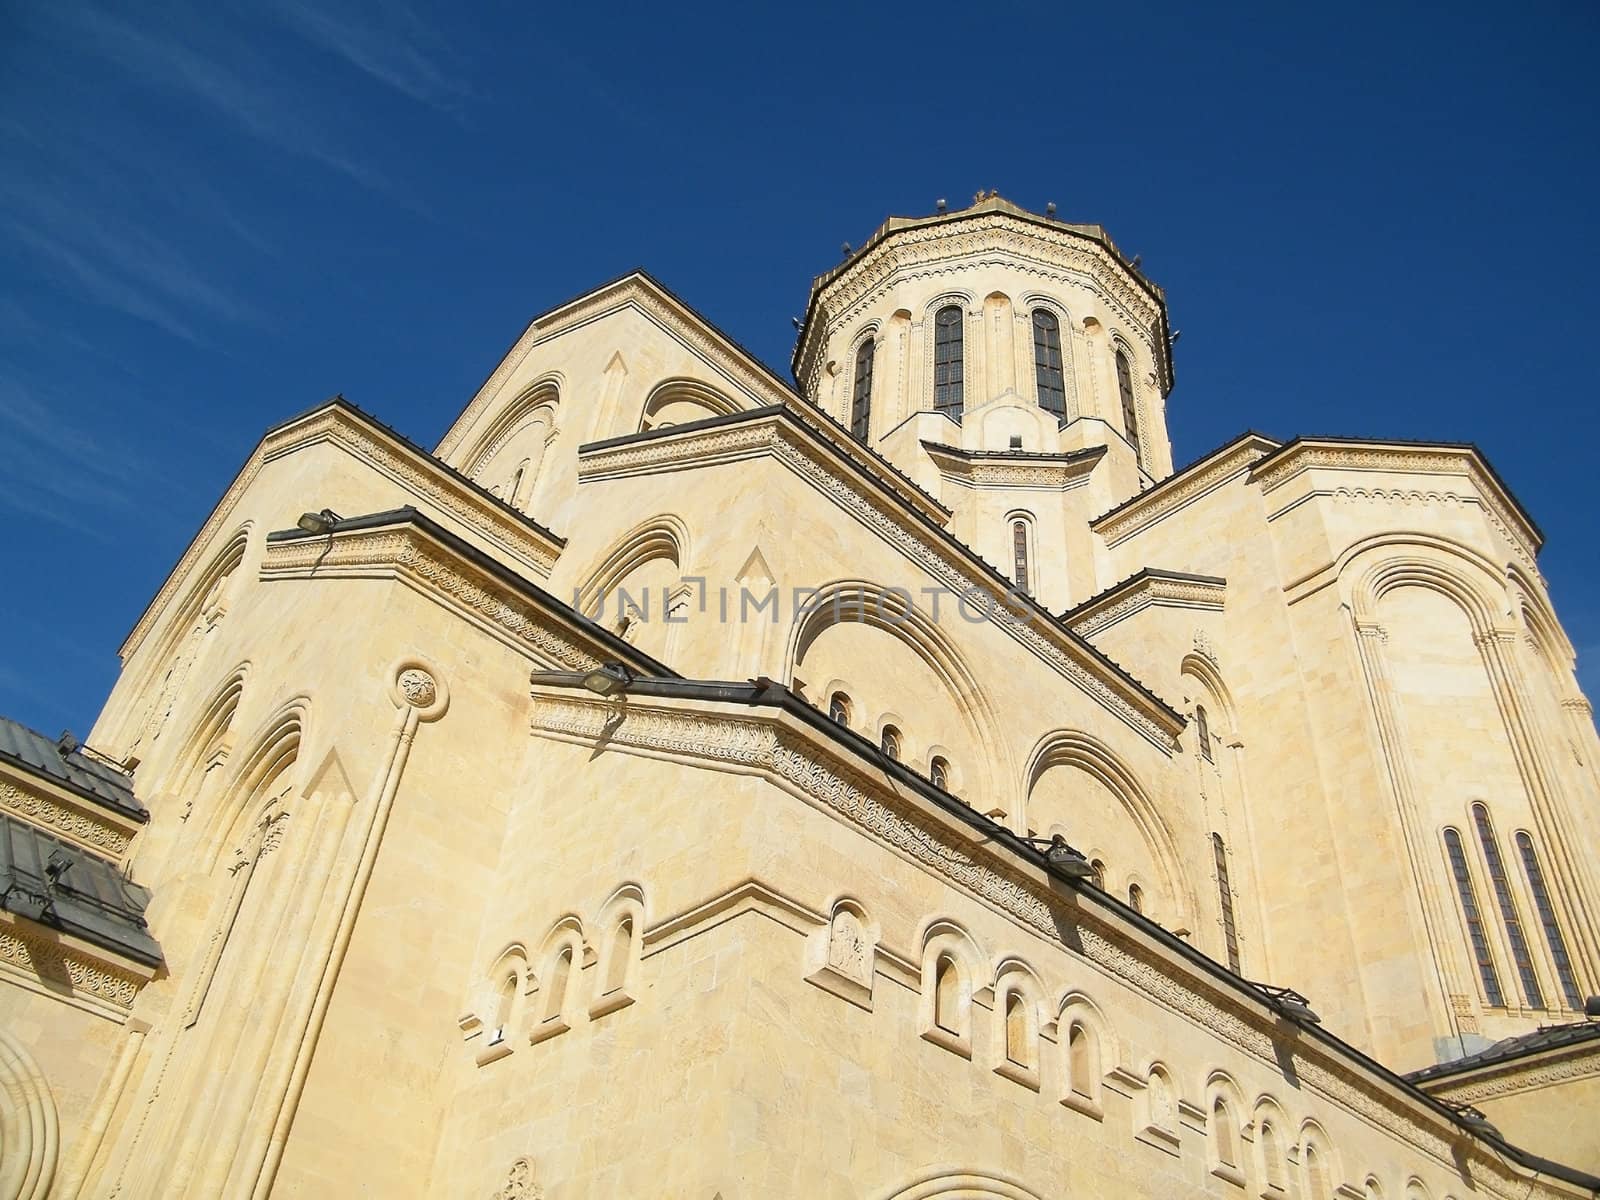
(767, 921)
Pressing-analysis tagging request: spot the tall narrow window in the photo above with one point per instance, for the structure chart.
(946, 994)
(939, 773)
(1130, 412)
(1474, 920)
(948, 368)
(1202, 729)
(1136, 897)
(1099, 869)
(861, 395)
(839, 708)
(1230, 930)
(1547, 918)
(1047, 372)
(1019, 553)
(1017, 1030)
(1226, 1132)
(1508, 907)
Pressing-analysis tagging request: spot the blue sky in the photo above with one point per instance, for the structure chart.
(213, 216)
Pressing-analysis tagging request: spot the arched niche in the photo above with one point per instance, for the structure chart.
(636, 590)
(960, 1183)
(680, 401)
(891, 658)
(30, 1136)
(1078, 787)
(508, 458)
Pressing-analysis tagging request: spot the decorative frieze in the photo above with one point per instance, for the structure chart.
(54, 963)
(408, 552)
(82, 825)
(1146, 590)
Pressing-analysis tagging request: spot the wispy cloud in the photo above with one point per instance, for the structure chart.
(395, 48)
(239, 85)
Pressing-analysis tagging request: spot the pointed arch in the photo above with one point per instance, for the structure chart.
(539, 402)
(209, 733)
(268, 765)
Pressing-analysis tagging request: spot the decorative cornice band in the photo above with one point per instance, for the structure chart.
(422, 476)
(1147, 592)
(1502, 512)
(768, 746)
(965, 470)
(1057, 254)
(108, 987)
(408, 553)
(1179, 490)
(79, 824)
(1583, 1063)
(774, 437)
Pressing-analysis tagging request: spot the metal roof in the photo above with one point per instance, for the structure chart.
(94, 780)
(1549, 1037)
(89, 898)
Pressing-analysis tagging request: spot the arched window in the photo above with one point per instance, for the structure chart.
(556, 985)
(1047, 372)
(1202, 729)
(1316, 1174)
(1547, 918)
(939, 773)
(1017, 1033)
(1230, 930)
(1224, 1133)
(1083, 1061)
(1099, 869)
(1271, 1156)
(1474, 920)
(948, 367)
(889, 743)
(1136, 897)
(947, 995)
(505, 1004)
(1130, 412)
(861, 393)
(839, 708)
(1019, 552)
(616, 971)
(1508, 907)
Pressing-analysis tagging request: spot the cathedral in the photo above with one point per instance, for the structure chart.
(893, 782)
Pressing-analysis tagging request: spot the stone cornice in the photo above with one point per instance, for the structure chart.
(64, 967)
(1149, 588)
(781, 749)
(1501, 508)
(1052, 472)
(640, 293)
(1528, 1073)
(414, 551)
(341, 424)
(1182, 488)
(1048, 249)
(781, 435)
(58, 812)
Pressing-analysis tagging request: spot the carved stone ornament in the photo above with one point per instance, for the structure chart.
(418, 687)
(520, 1183)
